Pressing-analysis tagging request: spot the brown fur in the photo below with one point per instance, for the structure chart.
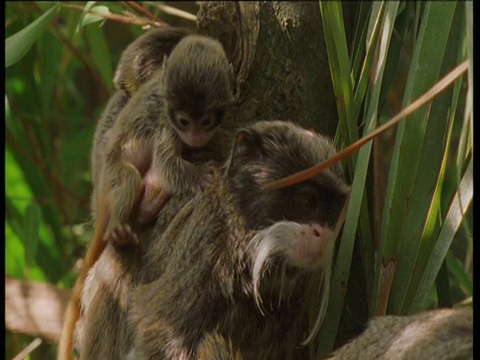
(144, 56)
(192, 274)
(215, 347)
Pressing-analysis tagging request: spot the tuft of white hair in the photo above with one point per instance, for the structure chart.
(307, 246)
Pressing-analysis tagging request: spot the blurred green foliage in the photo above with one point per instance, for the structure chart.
(60, 63)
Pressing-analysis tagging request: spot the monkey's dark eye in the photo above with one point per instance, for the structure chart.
(309, 201)
(183, 121)
(308, 198)
(207, 121)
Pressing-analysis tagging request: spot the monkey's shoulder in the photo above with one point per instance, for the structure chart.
(141, 115)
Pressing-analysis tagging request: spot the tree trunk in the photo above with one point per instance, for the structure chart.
(279, 56)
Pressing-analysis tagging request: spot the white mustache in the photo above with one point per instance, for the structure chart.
(305, 246)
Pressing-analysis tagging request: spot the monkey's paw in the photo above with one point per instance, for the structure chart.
(122, 236)
(208, 172)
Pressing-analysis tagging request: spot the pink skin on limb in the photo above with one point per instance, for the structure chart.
(154, 197)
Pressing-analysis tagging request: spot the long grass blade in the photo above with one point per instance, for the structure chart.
(426, 63)
(459, 206)
(424, 215)
(339, 61)
(344, 255)
(17, 45)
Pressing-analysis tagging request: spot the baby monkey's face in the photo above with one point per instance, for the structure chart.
(197, 88)
(196, 130)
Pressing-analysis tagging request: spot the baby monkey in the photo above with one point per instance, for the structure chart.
(179, 108)
(138, 62)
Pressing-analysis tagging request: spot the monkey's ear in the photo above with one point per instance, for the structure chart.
(243, 135)
(247, 145)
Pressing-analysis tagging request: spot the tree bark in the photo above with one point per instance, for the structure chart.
(279, 55)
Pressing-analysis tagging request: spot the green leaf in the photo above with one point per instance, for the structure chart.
(362, 84)
(422, 222)
(51, 49)
(17, 45)
(462, 278)
(360, 34)
(14, 260)
(336, 41)
(460, 204)
(48, 257)
(442, 285)
(101, 54)
(394, 50)
(17, 190)
(425, 68)
(342, 266)
(89, 18)
(469, 36)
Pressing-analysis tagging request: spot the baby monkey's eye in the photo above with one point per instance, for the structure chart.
(183, 121)
(207, 120)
